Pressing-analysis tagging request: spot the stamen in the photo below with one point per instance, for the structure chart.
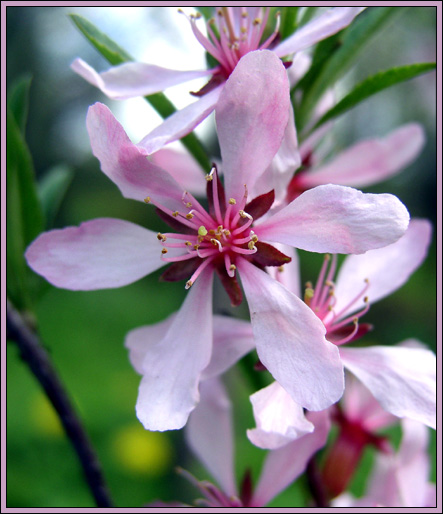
(164, 250)
(161, 237)
(147, 199)
(309, 293)
(215, 242)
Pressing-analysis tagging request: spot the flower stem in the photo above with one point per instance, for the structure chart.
(315, 484)
(38, 360)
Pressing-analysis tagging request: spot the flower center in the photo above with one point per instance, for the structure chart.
(234, 32)
(340, 328)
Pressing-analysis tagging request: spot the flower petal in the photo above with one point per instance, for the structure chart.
(370, 161)
(134, 79)
(99, 254)
(211, 421)
(278, 418)
(289, 274)
(233, 339)
(126, 165)
(337, 219)
(387, 269)
(401, 379)
(251, 118)
(290, 341)
(181, 122)
(284, 465)
(319, 28)
(171, 371)
(183, 168)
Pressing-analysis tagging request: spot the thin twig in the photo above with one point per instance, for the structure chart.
(316, 485)
(38, 360)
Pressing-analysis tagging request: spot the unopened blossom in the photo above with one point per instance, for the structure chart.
(238, 31)
(400, 479)
(211, 422)
(251, 118)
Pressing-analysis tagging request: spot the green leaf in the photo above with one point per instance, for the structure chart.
(18, 101)
(24, 215)
(115, 55)
(51, 190)
(206, 12)
(335, 56)
(306, 14)
(288, 21)
(374, 84)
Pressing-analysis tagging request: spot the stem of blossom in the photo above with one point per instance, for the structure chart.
(38, 360)
(315, 484)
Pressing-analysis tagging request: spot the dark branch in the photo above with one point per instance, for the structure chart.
(38, 360)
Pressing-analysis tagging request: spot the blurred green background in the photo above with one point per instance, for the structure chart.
(84, 331)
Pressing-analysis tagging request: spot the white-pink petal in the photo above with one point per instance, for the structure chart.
(209, 434)
(251, 116)
(99, 254)
(337, 219)
(279, 420)
(319, 28)
(288, 274)
(126, 165)
(370, 161)
(173, 365)
(134, 79)
(387, 269)
(401, 379)
(233, 339)
(180, 123)
(284, 465)
(290, 341)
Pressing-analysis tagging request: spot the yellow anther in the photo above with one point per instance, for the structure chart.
(161, 237)
(308, 285)
(257, 21)
(189, 216)
(175, 214)
(244, 14)
(202, 231)
(188, 205)
(188, 284)
(164, 250)
(209, 177)
(251, 245)
(366, 299)
(232, 267)
(188, 243)
(367, 280)
(212, 232)
(243, 30)
(226, 232)
(309, 293)
(232, 201)
(196, 247)
(242, 214)
(147, 199)
(281, 269)
(254, 238)
(355, 321)
(327, 257)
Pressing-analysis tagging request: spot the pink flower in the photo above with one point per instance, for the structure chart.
(251, 118)
(240, 32)
(401, 479)
(211, 421)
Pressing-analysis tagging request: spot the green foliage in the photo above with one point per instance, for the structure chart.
(18, 101)
(51, 190)
(288, 21)
(372, 85)
(115, 55)
(334, 56)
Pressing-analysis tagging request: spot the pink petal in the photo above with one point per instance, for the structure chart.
(281, 170)
(387, 269)
(337, 219)
(289, 274)
(99, 254)
(370, 161)
(126, 165)
(209, 434)
(183, 168)
(251, 118)
(139, 340)
(290, 341)
(233, 339)
(278, 418)
(134, 79)
(319, 28)
(284, 465)
(401, 379)
(169, 389)
(181, 122)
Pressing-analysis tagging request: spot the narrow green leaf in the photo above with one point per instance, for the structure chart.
(23, 213)
(18, 101)
(334, 58)
(374, 84)
(306, 14)
(115, 55)
(288, 21)
(51, 190)
(205, 11)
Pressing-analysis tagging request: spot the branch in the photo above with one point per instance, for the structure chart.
(38, 360)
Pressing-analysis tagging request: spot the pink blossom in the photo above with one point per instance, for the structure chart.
(211, 421)
(240, 31)
(401, 479)
(251, 118)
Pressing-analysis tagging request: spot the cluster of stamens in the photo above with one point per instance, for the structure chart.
(322, 300)
(220, 237)
(233, 33)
